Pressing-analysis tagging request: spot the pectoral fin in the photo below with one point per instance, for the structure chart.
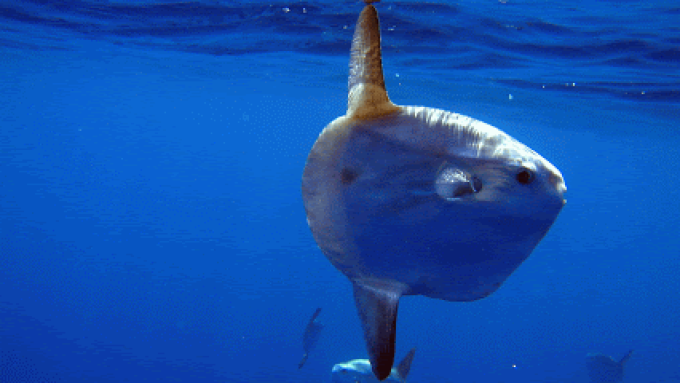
(377, 305)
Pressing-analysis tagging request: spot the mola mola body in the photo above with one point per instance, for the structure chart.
(407, 200)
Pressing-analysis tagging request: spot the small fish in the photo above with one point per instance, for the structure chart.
(410, 200)
(311, 336)
(359, 371)
(604, 369)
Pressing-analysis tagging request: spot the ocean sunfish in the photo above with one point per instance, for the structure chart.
(410, 200)
(359, 371)
(604, 369)
(311, 336)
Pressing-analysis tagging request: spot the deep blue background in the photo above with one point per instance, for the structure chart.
(151, 223)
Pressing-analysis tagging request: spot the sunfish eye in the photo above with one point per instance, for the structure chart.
(525, 176)
(453, 184)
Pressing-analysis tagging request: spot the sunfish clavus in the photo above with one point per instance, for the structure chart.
(409, 200)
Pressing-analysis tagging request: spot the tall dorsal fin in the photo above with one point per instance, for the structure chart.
(367, 94)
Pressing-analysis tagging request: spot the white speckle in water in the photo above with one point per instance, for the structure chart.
(286, 10)
(509, 97)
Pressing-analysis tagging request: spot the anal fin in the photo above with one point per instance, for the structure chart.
(377, 304)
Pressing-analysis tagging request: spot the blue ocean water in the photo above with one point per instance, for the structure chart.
(151, 223)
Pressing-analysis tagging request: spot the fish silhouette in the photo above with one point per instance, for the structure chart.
(311, 336)
(409, 200)
(604, 369)
(359, 371)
